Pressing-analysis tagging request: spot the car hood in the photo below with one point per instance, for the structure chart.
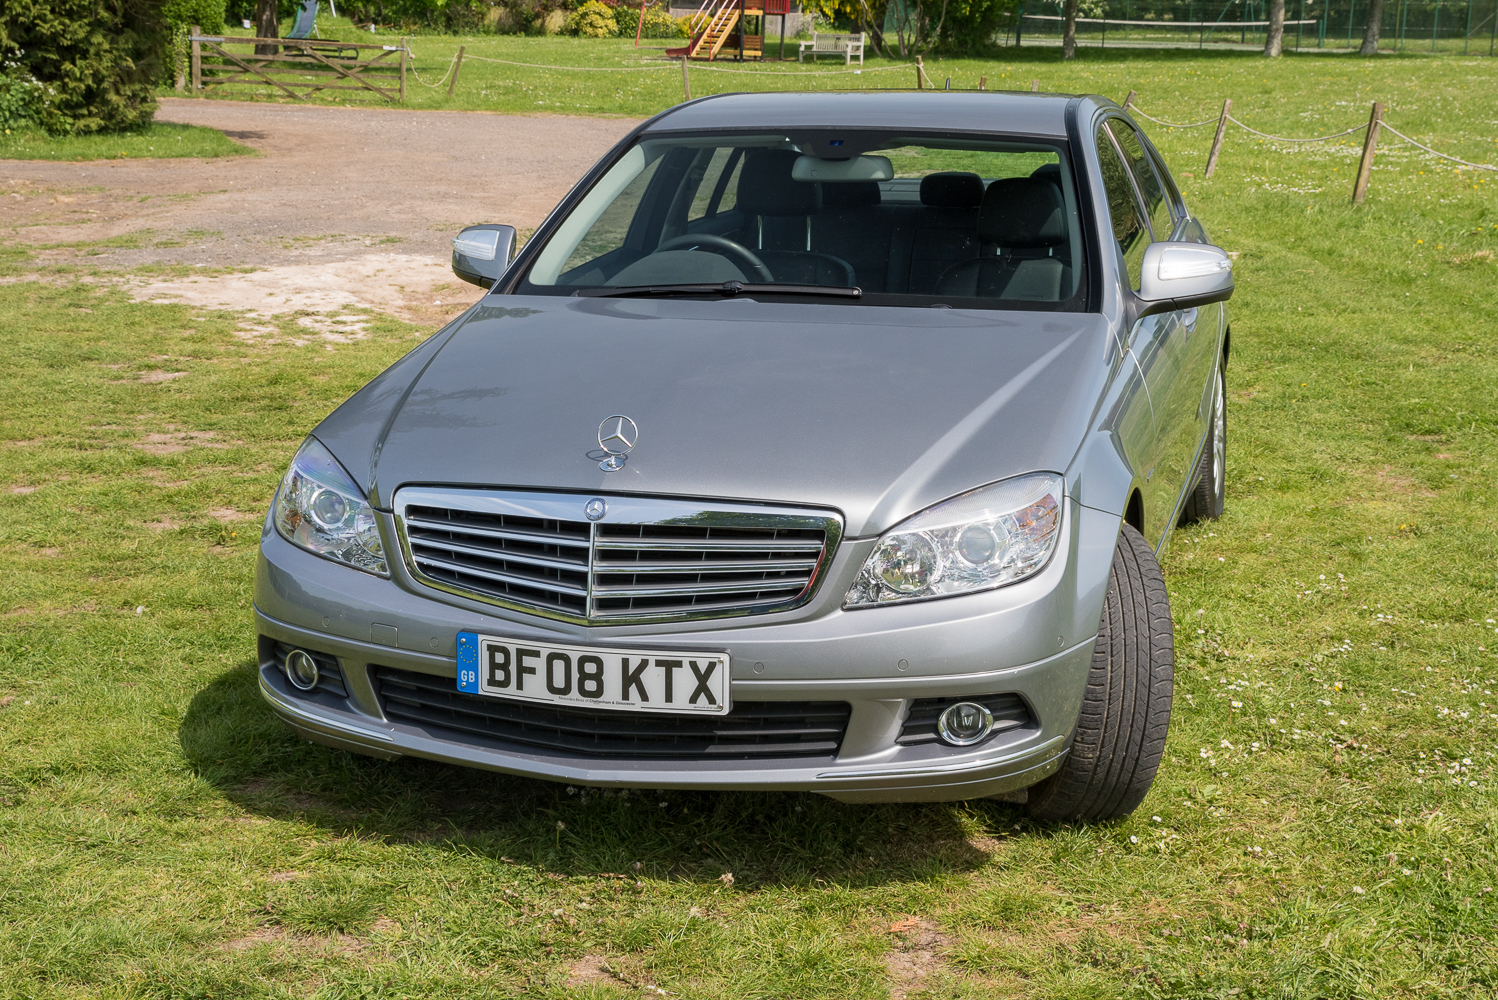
(875, 412)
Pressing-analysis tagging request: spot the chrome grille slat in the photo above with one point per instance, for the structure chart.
(768, 565)
(678, 589)
(706, 545)
(558, 586)
(646, 560)
(503, 555)
(503, 535)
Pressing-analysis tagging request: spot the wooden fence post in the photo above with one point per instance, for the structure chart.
(197, 60)
(1370, 146)
(920, 74)
(686, 81)
(1129, 101)
(1222, 128)
(456, 66)
(405, 53)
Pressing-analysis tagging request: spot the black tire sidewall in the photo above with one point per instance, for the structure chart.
(1119, 736)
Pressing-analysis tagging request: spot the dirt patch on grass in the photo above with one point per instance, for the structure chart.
(1401, 484)
(590, 970)
(415, 287)
(171, 442)
(279, 938)
(158, 375)
(916, 954)
(227, 515)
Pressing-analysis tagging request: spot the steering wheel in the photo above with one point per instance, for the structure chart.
(741, 255)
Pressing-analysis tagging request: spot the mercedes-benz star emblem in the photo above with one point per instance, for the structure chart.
(594, 509)
(616, 436)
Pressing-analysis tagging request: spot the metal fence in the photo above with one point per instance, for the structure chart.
(1467, 27)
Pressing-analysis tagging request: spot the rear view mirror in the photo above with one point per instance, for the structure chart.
(482, 253)
(1183, 275)
(857, 168)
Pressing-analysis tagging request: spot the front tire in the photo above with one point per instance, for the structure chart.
(1209, 495)
(1120, 732)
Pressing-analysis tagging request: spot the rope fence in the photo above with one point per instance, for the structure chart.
(1371, 131)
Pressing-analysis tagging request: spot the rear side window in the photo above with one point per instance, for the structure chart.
(1129, 227)
(1156, 205)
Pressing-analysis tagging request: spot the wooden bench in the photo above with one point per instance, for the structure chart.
(846, 46)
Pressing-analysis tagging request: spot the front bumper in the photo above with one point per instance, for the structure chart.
(1033, 639)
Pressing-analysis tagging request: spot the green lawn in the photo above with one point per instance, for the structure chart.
(1324, 823)
(158, 140)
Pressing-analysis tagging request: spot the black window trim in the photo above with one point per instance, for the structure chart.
(1139, 201)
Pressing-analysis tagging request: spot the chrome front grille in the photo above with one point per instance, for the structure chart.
(644, 560)
(539, 562)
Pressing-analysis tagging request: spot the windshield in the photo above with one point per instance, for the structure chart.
(909, 220)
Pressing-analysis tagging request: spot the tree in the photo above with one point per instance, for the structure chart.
(1370, 33)
(1274, 41)
(1069, 36)
(267, 25)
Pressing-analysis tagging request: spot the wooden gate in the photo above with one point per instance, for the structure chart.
(300, 67)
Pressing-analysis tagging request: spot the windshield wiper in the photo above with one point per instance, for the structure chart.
(726, 289)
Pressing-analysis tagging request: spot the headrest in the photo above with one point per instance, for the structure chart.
(952, 189)
(1050, 172)
(850, 194)
(766, 187)
(1022, 213)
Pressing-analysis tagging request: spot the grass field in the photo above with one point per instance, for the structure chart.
(156, 141)
(1323, 826)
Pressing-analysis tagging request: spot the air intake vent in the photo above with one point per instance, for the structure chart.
(643, 560)
(751, 729)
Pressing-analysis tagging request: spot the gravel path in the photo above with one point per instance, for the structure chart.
(380, 189)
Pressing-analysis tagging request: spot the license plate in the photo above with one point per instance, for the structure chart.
(625, 680)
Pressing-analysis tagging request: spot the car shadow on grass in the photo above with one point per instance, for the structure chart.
(233, 741)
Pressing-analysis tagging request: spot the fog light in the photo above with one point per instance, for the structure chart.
(301, 670)
(964, 723)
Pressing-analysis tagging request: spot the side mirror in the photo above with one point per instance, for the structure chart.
(1182, 276)
(482, 253)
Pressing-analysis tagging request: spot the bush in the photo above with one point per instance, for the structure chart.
(658, 22)
(206, 14)
(97, 60)
(20, 98)
(593, 20)
(970, 25)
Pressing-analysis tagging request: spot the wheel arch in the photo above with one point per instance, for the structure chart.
(1134, 511)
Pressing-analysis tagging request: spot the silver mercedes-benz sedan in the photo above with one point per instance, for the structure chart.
(818, 442)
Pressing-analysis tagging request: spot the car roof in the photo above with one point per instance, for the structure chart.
(941, 110)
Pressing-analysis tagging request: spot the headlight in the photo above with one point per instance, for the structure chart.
(321, 509)
(984, 539)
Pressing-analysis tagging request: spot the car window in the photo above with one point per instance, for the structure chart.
(1129, 227)
(906, 219)
(1157, 206)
